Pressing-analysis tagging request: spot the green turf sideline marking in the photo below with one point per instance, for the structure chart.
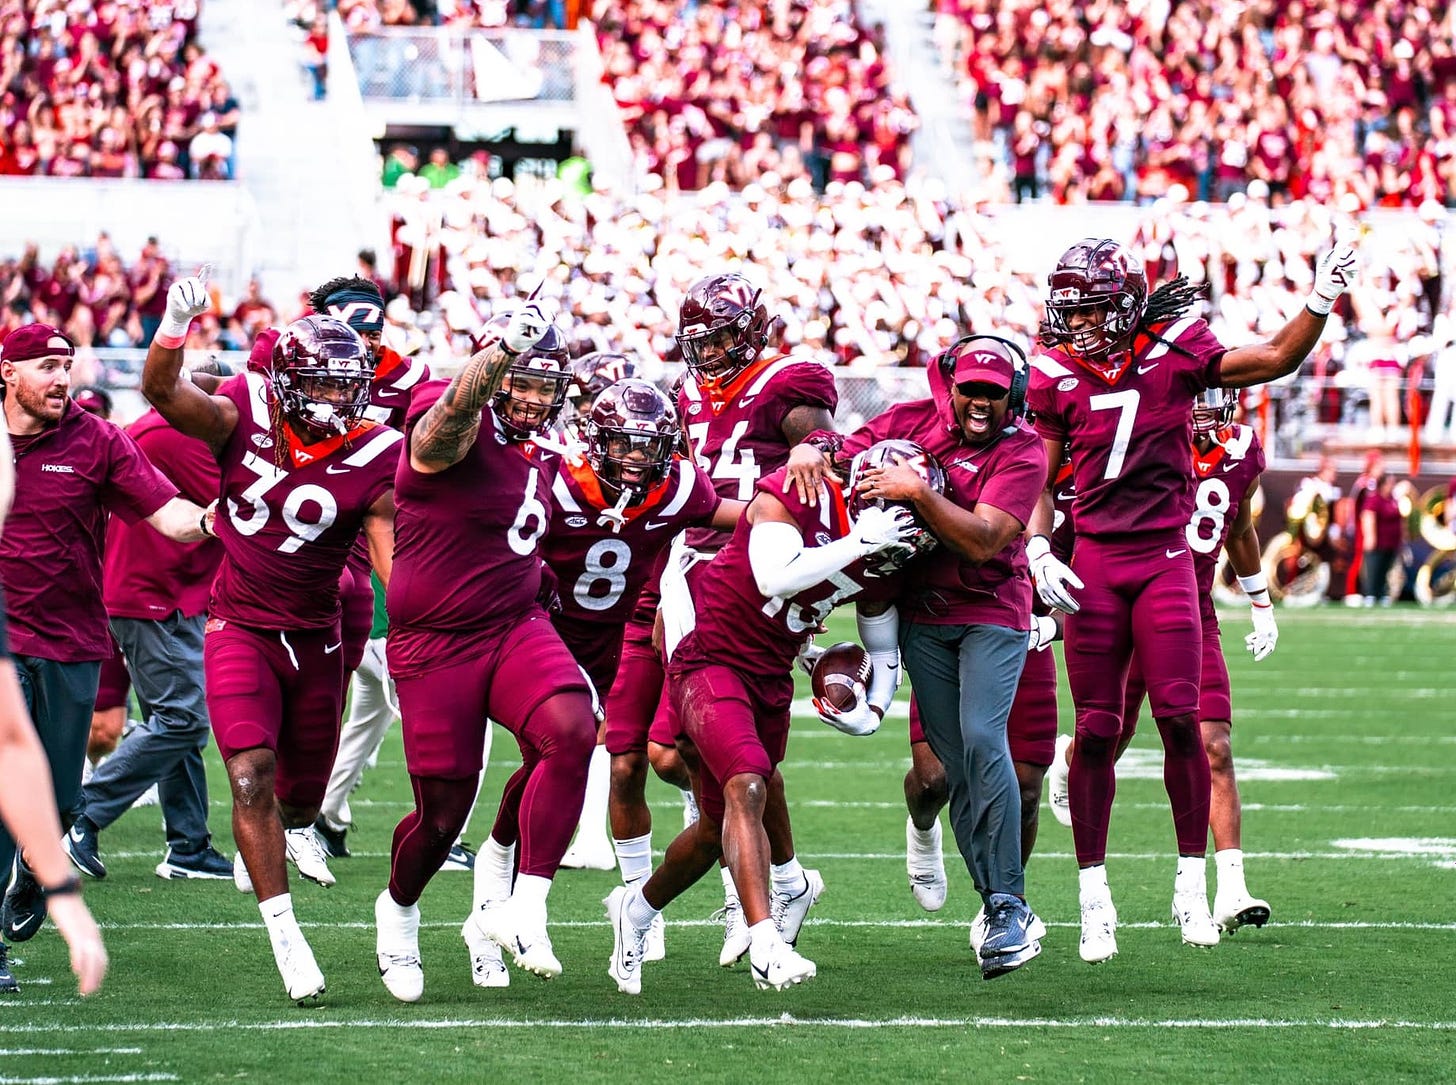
(786, 1020)
(892, 924)
(59, 1051)
(79, 1079)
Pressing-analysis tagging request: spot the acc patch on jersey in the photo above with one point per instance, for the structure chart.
(1066, 384)
(576, 521)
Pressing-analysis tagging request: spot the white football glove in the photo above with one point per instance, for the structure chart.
(1043, 632)
(859, 721)
(881, 528)
(1334, 275)
(1266, 632)
(1054, 581)
(808, 656)
(526, 327)
(186, 298)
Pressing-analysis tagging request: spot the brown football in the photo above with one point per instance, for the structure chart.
(836, 672)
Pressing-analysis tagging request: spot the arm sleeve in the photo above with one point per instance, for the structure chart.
(783, 565)
(880, 635)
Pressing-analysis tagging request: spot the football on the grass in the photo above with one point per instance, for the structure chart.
(836, 672)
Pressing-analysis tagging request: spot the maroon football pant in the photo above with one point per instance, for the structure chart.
(1139, 595)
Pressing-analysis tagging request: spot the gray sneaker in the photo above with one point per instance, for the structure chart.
(205, 863)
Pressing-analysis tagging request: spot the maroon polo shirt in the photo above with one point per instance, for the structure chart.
(66, 480)
(146, 574)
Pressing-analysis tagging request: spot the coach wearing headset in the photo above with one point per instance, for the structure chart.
(965, 612)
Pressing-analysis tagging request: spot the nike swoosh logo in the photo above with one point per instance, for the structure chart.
(77, 836)
(335, 470)
(1069, 495)
(653, 525)
(1229, 467)
(1173, 553)
(385, 393)
(1145, 368)
(746, 400)
(330, 649)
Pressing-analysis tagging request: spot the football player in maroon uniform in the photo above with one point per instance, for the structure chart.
(1227, 463)
(302, 474)
(474, 493)
(966, 610)
(786, 566)
(742, 409)
(614, 512)
(1116, 379)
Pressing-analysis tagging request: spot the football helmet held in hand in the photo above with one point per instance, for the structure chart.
(889, 454)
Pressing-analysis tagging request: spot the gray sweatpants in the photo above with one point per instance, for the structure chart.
(965, 679)
(164, 660)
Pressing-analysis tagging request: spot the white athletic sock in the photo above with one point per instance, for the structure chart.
(591, 827)
(1092, 881)
(279, 920)
(763, 938)
(531, 891)
(639, 912)
(730, 891)
(634, 856)
(787, 877)
(1192, 875)
(495, 867)
(1229, 864)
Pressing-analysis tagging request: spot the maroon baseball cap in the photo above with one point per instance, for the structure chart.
(94, 400)
(30, 341)
(984, 361)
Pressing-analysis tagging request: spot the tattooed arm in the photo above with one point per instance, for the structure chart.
(448, 429)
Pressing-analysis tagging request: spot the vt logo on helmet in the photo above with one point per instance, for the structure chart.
(1098, 295)
(893, 453)
(722, 328)
(534, 389)
(321, 376)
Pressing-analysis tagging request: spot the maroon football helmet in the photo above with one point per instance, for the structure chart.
(629, 417)
(321, 375)
(722, 327)
(889, 454)
(544, 368)
(1101, 280)
(1213, 410)
(592, 374)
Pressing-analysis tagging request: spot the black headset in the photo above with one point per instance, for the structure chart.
(1020, 374)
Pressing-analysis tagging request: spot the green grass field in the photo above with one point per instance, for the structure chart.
(1346, 742)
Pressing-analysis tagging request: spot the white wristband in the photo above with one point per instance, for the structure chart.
(1036, 546)
(1318, 305)
(1256, 583)
(173, 328)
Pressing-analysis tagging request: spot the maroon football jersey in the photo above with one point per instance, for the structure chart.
(1064, 524)
(943, 588)
(1131, 463)
(1223, 476)
(737, 437)
(600, 571)
(395, 379)
(466, 556)
(289, 515)
(738, 625)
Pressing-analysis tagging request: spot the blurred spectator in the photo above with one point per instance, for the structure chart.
(95, 89)
(713, 90)
(253, 313)
(210, 151)
(1321, 99)
(1382, 528)
(316, 56)
(439, 171)
(399, 160)
(150, 278)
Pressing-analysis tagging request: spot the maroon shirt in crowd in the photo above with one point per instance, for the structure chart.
(66, 479)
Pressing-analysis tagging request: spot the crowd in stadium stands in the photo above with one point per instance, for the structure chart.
(111, 88)
(719, 91)
(1122, 100)
(364, 15)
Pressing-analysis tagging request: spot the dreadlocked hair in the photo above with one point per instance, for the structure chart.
(318, 298)
(1168, 302)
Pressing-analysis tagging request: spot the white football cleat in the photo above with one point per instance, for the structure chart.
(656, 948)
(789, 908)
(590, 855)
(1056, 779)
(302, 978)
(1231, 913)
(1190, 912)
(308, 855)
(241, 878)
(523, 936)
(785, 967)
(397, 948)
(629, 943)
(925, 866)
(736, 938)
(487, 969)
(1099, 929)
